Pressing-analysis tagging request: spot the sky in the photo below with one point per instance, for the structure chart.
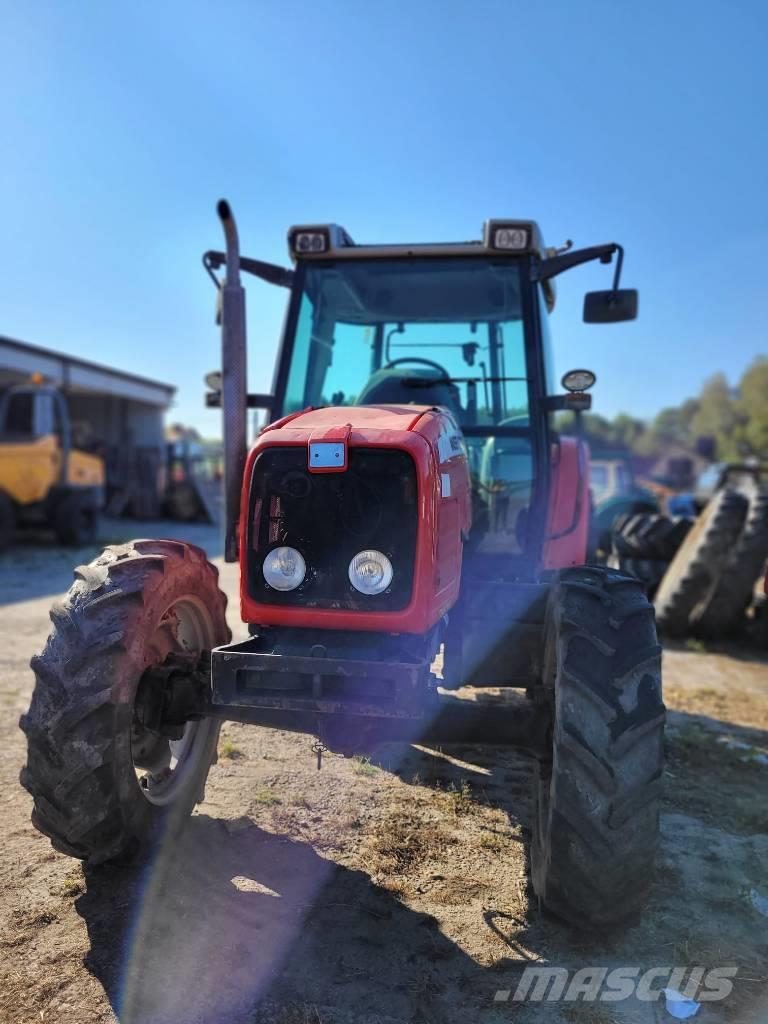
(121, 125)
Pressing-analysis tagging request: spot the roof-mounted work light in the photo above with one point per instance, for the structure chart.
(317, 239)
(508, 236)
(305, 243)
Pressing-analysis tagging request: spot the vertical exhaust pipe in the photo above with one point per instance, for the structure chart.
(234, 381)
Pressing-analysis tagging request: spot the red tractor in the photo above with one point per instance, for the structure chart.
(409, 498)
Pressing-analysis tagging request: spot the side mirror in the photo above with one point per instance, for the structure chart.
(610, 307)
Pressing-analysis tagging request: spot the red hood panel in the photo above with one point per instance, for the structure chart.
(359, 417)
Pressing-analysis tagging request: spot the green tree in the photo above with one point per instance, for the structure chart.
(752, 432)
(718, 416)
(670, 427)
(627, 430)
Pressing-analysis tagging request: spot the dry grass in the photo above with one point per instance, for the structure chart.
(364, 767)
(266, 797)
(71, 886)
(230, 750)
(404, 839)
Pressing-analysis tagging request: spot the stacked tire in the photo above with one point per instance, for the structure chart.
(643, 545)
(723, 610)
(709, 584)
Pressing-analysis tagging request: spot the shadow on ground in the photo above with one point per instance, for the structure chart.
(226, 921)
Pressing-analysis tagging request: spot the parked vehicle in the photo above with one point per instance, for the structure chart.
(407, 497)
(615, 495)
(45, 479)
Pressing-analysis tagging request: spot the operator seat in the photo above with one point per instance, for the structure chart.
(506, 469)
(388, 387)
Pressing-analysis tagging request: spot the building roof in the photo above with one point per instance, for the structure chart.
(18, 360)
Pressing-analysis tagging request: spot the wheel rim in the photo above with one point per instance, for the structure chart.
(164, 767)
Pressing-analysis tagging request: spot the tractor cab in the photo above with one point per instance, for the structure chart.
(459, 326)
(428, 331)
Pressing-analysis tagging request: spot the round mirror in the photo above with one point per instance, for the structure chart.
(578, 380)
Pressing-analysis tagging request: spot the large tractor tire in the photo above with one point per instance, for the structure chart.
(648, 571)
(650, 537)
(596, 799)
(643, 545)
(104, 787)
(722, 612)
(183, 504)
(699, 562)
(606, 515)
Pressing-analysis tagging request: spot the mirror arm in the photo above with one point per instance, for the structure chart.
(555, 265)
(619, 263)
(269, 272)
(574, 401)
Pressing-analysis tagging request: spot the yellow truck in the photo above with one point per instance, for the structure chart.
(44, 479)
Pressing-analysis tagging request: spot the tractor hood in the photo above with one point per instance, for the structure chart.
(356, 418)
(331, 431)
(397, 481)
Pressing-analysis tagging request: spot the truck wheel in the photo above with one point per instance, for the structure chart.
(103, 785)
(183, 504)
(7, 521)
(699, 561)
(76, 520)
(722, 611)
(596, 800)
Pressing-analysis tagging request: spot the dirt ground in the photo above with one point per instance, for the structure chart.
(384, 891)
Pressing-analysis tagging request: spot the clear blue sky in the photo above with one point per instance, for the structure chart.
(122, 124)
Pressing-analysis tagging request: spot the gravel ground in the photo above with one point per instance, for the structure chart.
(385, 890)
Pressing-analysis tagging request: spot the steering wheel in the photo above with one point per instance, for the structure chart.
(416, 359)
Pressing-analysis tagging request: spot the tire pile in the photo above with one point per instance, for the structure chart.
(643, 545)
(701, 573)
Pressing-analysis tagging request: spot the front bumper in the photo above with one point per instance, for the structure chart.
(254, 674)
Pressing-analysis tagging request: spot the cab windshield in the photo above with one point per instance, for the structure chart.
(445, 332)
(422, 331)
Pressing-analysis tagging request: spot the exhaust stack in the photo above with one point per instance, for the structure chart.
(234, 381)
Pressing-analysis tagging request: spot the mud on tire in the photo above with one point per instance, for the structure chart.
(126, 611)
(595, 815)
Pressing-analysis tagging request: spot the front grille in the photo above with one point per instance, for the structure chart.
(329, 518)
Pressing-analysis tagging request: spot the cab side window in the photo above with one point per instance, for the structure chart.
(19, 417)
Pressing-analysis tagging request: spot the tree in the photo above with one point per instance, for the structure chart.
(671, 427)
(753, 409)
(718, 416)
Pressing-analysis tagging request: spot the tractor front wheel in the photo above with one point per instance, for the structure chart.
(103, 784)
(596, 798)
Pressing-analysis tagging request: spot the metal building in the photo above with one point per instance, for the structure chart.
(119, 414)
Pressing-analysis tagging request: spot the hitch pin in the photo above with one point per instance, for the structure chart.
(319, 748)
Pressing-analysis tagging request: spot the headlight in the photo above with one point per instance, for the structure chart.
(370, 572)
(284, 568)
